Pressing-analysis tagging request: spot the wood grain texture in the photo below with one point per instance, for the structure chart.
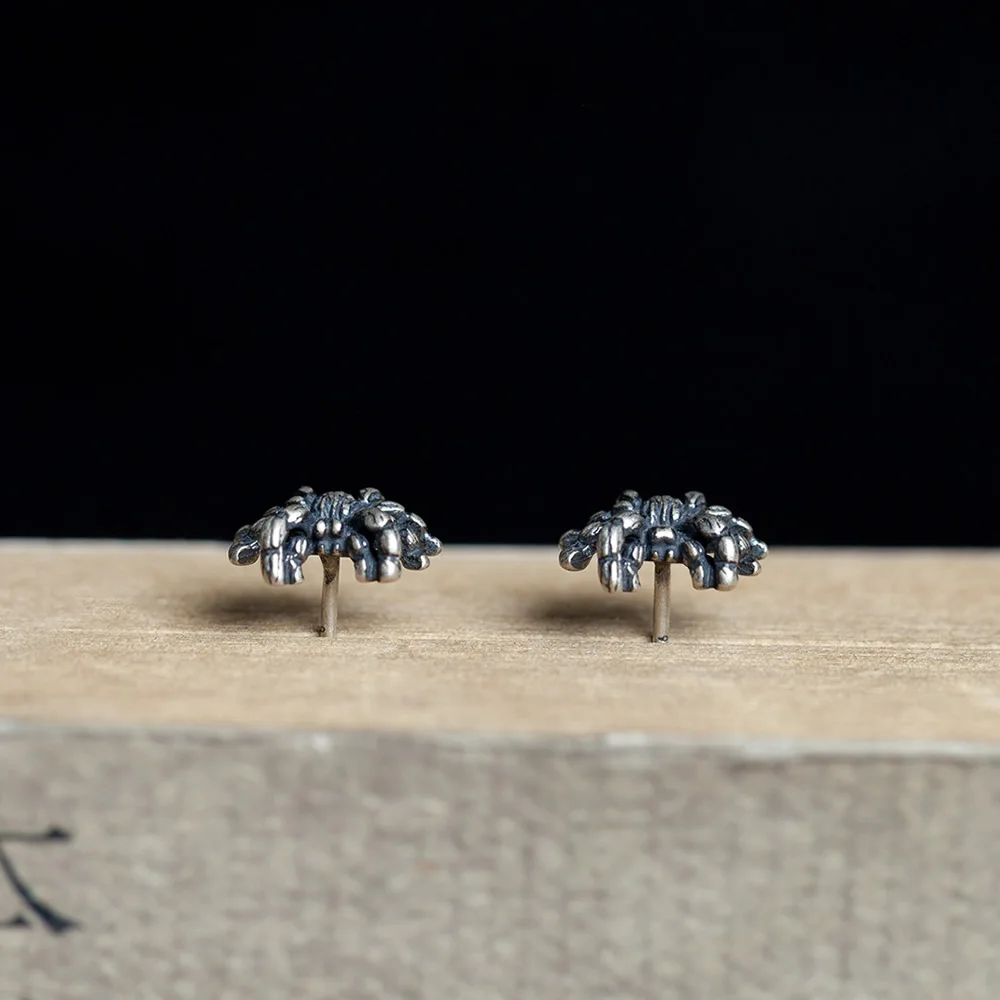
(827, 645)
(356, 866)
(727, 829)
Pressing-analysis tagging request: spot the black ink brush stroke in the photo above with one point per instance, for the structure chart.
(52, 919)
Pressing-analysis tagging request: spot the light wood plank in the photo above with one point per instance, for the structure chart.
(887, 645)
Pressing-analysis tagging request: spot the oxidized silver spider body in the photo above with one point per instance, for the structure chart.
(716, 547)
(379, 536)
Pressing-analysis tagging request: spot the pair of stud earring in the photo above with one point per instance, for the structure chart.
(382, 538)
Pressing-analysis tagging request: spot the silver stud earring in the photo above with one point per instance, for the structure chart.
(715, 546)
(380, 537)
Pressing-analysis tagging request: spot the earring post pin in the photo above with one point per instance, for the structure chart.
(661, 602)
(330, 595)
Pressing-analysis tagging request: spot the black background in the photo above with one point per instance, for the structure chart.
(502, 266)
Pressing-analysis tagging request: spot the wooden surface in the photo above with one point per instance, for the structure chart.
(205, 865)
(823, 645)
(767, 857)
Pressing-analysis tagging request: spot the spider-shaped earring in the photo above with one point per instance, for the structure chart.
(379, 536)
(716, 547)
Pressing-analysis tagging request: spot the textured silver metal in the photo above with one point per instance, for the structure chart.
(379, 536)
(716, 547)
